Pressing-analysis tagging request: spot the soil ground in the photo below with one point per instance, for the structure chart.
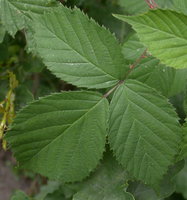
(9, 181)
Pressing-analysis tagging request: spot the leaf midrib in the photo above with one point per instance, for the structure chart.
(155, 30)
(153, 105)
(13, 3)
(84, 58)
(67, 129)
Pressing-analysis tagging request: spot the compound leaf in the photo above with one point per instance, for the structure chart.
(78, 50)
(164, 32)
(61, 136)
(144, 131)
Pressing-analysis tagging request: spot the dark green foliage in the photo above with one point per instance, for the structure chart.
(127, 98)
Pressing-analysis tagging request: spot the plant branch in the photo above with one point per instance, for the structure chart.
(131, 68)
(152, 4)
(136, 63)
(138, 60)
(112, 89)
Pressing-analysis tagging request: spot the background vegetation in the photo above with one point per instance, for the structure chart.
(24, 78)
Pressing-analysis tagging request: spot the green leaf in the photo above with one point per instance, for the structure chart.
(168, 184)
(57, 195)
(23, 96)
(180, 5)
(78, 50)
(14, 13)
(33, 64)
(178, 102)
(134, 7)
(142, 192)
(140, 6)
(19, 195)
(163, 190)
(164, 32)
(61, 136)
(183, 153)
(181, 181)
(107, 183)
(144, 131)
(50, 188)
(169, 81)
(132, 49)
(55, 190)
(166, 4)
(2, 32)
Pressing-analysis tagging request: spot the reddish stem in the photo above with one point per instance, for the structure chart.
(138, 60)
(130, 70)
(152, 4)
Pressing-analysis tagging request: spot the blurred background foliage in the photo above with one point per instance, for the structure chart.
(24, 78)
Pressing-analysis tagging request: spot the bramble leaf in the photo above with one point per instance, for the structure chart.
(48, 189)
(133, 7)
(78, 50)
(169, 81)
(132, 49)
(180, 5)
(164, 32)
(162, 191)
(107, 183)
(181, 181)
(15, 13)
(183, 153)
(2, 32)
(61, 136)
(144, 131)
(138, 6)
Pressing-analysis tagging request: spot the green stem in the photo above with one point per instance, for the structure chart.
(122, 81)
(112, 89)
